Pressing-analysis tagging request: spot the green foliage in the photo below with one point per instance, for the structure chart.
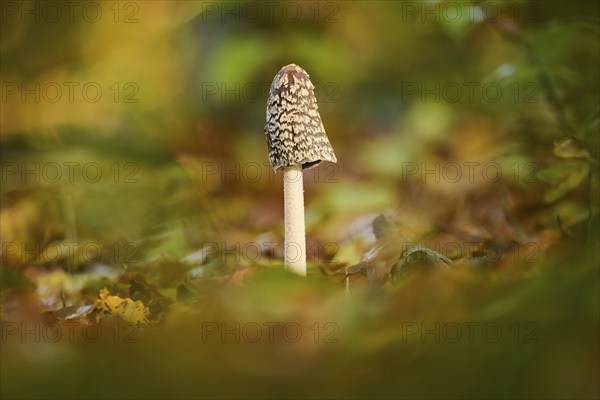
(564, 177)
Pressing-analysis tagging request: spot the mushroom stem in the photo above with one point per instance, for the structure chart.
(294, 249)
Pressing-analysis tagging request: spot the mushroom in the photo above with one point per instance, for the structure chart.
(297, 141)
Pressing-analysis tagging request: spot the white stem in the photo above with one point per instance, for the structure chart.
(294, 249)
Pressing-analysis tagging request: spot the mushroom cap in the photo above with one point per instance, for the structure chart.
(294, 130)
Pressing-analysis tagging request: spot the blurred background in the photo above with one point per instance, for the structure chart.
(132, 139)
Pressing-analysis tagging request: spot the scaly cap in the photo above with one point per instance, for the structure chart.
(295, 132)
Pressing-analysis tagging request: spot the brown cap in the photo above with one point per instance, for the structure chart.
(295, 132)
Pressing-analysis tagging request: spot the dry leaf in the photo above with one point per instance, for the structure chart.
(134, 312)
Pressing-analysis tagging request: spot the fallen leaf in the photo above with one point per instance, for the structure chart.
(134, 312)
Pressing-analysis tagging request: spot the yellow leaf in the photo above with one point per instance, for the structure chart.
(134, 312)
